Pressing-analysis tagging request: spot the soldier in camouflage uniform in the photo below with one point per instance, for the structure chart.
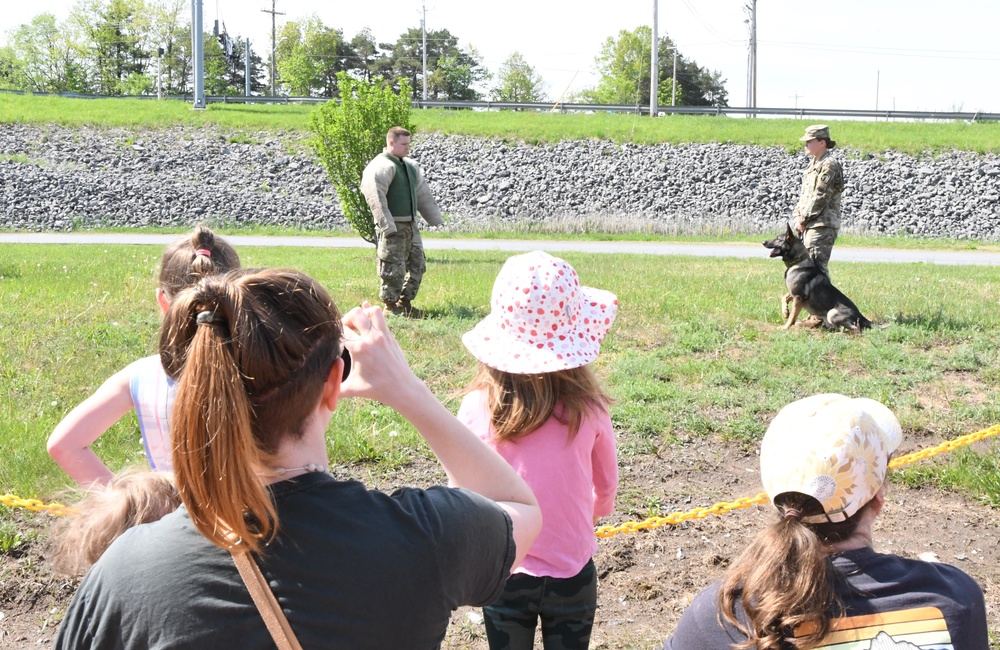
(817, 214)
(395, 190)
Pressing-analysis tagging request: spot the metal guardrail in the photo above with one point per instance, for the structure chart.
(977, 116)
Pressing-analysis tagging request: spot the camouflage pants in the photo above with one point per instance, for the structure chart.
(565, 605)
(819, 240)
(401, 264)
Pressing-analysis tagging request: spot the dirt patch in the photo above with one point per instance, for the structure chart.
(646, 578)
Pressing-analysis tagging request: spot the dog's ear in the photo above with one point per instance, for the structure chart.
(788, 229)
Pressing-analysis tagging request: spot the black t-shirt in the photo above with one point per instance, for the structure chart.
(351, 568)
(889, 602)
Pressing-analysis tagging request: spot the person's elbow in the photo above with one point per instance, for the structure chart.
(527, 524)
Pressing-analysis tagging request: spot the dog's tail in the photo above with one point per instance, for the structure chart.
(863, 323)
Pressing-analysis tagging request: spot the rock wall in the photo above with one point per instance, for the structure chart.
(54, 178)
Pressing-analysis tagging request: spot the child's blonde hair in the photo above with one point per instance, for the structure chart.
(131, 498)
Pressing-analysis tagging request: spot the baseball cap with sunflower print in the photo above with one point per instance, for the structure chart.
(833, 448)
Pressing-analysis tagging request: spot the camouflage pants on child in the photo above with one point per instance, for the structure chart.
(565, 605)
(401, 263)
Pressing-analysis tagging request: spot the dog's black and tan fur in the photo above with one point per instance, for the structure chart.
(810, 289)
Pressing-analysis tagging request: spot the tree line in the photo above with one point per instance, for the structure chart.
(139, 47)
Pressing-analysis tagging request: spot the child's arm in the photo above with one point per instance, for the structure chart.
(605, 462)
(69, 444)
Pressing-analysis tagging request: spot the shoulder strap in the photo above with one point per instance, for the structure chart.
(275, 620)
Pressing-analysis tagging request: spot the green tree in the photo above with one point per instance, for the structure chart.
(455, 76)
(459, 70)
(364, 57)
(170, 29)
(42, 60)
(518, 82)
(309, 57)
(623, 64)
(348, 134)
(118, 41)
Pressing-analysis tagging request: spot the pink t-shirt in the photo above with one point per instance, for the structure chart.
(573, 482)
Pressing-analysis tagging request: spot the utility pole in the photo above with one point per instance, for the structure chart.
(751, 21)
(673, 82)
(246, 68)
(423, 47)
(796, 96)
(274, 36)
(654, 66)
(198, 53)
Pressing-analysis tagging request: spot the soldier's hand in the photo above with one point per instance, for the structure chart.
(799, 227)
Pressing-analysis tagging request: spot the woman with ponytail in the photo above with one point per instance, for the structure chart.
(813, 579)
(259, 360)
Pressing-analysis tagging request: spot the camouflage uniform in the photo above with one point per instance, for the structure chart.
(818, 209)
(396, 192)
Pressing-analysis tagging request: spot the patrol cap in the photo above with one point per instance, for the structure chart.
(816, 132)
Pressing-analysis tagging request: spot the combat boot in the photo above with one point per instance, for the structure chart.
(395, 309)
(408, 309)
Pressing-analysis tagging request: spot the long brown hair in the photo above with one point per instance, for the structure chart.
(520, 404)
(784, 580)
(193, 257)
(251, 351)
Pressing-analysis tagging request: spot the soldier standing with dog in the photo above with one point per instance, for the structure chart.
(395, 190)
(817, 214)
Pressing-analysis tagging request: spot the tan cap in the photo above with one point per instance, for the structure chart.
(815, 132)
(832, 448)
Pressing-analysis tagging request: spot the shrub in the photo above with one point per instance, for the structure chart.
(350, 133)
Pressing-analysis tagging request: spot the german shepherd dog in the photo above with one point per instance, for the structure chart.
(810, 289)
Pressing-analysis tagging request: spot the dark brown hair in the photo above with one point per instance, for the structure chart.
(184, 262)
(784, 580)
(395, 132)
(520, 404)
(251, 351)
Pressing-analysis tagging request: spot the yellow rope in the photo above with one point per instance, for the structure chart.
(723, 508)
(630, 526)
(34, 504)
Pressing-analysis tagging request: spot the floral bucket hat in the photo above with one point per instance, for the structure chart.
(541, 319)
(832, 448)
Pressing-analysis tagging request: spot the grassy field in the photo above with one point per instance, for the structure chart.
(696, 355)
(859, 137)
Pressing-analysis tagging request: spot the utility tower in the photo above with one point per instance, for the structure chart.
(274, 35)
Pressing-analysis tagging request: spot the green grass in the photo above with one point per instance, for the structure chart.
(861, 138)
(696, 355)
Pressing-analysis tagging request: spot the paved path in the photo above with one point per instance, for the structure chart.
(745, 250)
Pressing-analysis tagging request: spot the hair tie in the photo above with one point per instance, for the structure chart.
(792, 513)
(203, 251)
(209, 318)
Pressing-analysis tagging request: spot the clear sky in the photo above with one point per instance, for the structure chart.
(853, 54)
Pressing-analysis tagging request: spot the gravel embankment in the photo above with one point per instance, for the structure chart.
(62, 179)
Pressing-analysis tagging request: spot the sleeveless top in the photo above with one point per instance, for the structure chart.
(153, 398)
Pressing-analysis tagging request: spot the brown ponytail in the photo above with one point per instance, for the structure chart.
(783, 580)
(193, 257)
(250, 352)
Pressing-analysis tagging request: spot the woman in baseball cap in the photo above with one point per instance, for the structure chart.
(813, 579)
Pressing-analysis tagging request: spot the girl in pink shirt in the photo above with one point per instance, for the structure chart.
(536, 401)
